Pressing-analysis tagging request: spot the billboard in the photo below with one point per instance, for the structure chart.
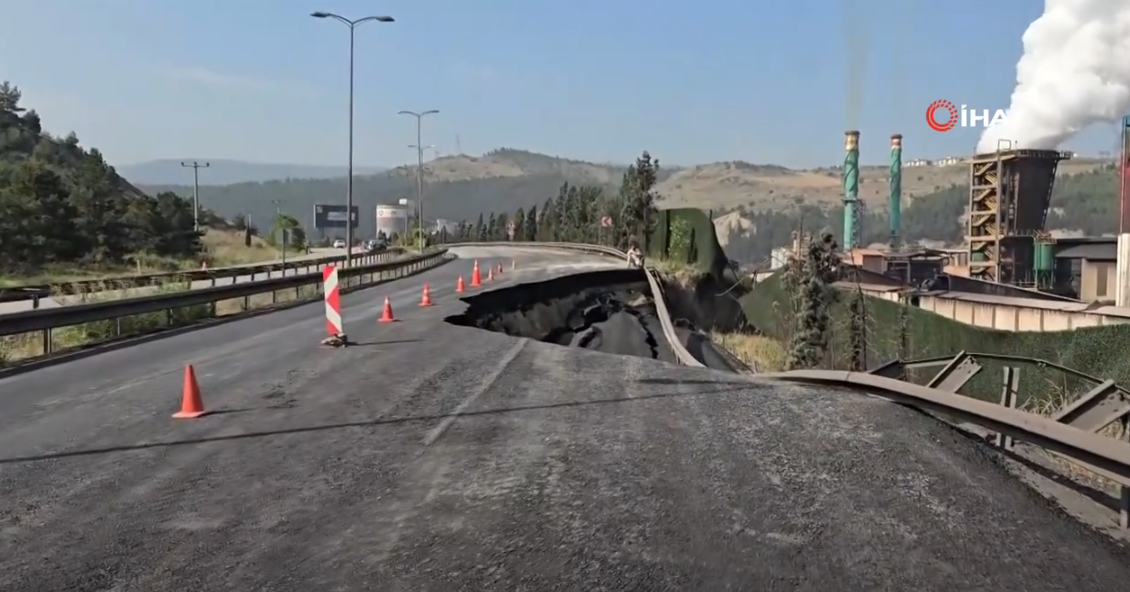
(333, 216)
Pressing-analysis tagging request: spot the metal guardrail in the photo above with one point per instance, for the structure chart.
(44, 320)
(79, 287)
(1072, 433)
(684, 357)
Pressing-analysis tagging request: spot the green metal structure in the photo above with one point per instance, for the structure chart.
(851, 190)
(895, 201)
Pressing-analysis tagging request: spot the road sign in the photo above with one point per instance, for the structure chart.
(333, 216)
(606, 221)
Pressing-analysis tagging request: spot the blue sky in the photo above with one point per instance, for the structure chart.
(765, 82)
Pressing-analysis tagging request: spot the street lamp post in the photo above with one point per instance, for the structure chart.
(420, 183)
(419, 163)
(352, 24)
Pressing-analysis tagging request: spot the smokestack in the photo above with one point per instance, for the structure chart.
(851, 190)
(895, 203)
(1122, 262)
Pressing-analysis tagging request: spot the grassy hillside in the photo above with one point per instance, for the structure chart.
(65, 211)
(62, 204)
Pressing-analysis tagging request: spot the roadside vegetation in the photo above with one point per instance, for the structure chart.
(760, 353)
(65, 213)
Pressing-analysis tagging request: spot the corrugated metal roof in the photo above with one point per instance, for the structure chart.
(1094, 251)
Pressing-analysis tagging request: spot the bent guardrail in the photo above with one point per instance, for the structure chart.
(1072, 433)
(34, 293)
(45, 320)
(684, 357)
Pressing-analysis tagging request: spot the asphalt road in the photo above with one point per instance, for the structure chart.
(25, 305)
(439, 458)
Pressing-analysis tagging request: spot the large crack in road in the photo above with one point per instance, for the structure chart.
(609, 311)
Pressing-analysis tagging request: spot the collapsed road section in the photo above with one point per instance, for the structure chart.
(610, 311)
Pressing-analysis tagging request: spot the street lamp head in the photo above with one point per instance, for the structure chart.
(384, 19)
(320, 14)
(431, 112)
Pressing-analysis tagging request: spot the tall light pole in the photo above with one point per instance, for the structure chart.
(352, 24)
(420, 181)
(196, 166)
(419, 162)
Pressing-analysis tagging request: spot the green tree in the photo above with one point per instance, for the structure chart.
(637, 193)
(520, 225)
(482, 231)
(531, 231)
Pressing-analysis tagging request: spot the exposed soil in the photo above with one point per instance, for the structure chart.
(609, 311)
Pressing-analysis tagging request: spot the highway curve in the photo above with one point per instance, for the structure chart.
(440, 458)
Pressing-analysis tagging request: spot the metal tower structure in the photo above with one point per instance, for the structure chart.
(1009, 195)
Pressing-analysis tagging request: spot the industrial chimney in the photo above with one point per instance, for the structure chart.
(852, 220)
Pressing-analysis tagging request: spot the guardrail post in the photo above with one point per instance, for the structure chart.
(1009, 388)
(893, 369)
(955, 374)
(1124, 503)
(47, 346)
(1091, 411)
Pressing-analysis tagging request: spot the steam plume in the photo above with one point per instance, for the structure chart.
(1075, 72)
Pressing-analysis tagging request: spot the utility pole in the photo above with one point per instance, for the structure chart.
(196, 166)
(419, 163)
(282, 231)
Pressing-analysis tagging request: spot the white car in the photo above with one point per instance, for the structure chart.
(339, 244)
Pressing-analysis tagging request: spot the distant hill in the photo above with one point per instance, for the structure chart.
(457, 188)
(460, 187)
(226, 172)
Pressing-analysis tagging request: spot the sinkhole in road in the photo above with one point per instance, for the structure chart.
(609, 311)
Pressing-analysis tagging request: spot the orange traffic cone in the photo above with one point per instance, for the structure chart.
(386, 314)
(191, 405)
(476, 277)
(426, 299)
(459, 287)
(490, 274)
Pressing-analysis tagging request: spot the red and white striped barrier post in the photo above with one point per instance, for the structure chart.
(333, 308)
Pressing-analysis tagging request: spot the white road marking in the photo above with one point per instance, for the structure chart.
(490, 379)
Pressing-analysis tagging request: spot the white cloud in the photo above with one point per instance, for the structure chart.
(475, 74)
(220, 80)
